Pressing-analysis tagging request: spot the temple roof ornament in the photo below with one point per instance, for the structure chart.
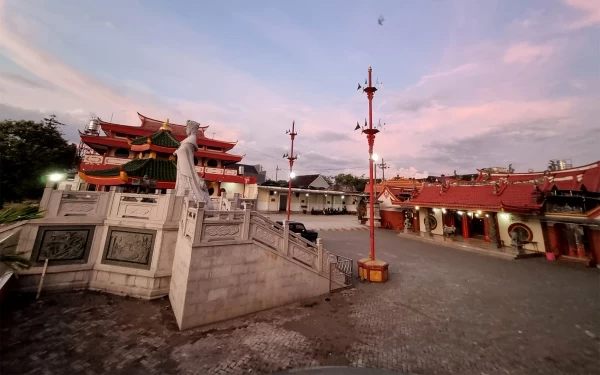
(165, 126)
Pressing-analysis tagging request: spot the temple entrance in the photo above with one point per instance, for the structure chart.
(283, 202)
(477, 227)
(458, 219)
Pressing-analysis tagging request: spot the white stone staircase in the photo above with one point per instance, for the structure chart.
(231, 263)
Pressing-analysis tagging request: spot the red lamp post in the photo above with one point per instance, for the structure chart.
(291, 157)
(370, 268)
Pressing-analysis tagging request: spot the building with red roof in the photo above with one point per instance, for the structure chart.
(133, 156)
(557, 211)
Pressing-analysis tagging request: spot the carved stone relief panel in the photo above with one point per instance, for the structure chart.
(132, 210)
(304, 256)
(221, 230)
(63, 244)
(265, 237)
(129, 247)
(76, 208)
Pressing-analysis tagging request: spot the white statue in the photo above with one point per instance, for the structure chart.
(187, 177)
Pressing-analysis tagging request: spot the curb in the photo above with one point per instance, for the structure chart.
(341, 229)
(473, 249)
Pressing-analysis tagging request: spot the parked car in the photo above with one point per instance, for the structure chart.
(299, 228)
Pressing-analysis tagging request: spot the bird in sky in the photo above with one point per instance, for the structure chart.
(380, 20)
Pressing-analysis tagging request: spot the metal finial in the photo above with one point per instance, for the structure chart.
(370, 69)
(165, 125)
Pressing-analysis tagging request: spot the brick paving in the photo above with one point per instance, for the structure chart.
(443, 311)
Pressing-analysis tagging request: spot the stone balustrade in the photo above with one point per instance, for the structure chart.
(57, 203)
(147, 207)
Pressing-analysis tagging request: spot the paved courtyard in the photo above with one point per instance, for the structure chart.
(444, 311)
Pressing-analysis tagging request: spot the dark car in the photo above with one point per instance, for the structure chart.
(299, 228)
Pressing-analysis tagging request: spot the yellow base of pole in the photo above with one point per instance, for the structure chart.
(373, 270)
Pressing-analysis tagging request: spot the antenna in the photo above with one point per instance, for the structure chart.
(277, 169)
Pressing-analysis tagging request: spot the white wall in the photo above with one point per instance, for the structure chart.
(438, 216)
(385, 202)
(506, 219)
(320, 182)
(232, 188)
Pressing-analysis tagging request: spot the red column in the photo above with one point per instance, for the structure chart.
(553, 240)
(465, 225)
(486, 229)
(416, 222)
(594, 238)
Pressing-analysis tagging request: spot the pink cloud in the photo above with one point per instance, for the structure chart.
(589, 13)
(525, 53)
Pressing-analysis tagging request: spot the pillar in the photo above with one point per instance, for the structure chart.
(416, 222)
(553, 244)
(486, 229)
(426, 222)
(492, 227)
(465, 225)
(594, 240)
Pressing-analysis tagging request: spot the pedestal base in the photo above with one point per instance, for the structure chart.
(375, 271)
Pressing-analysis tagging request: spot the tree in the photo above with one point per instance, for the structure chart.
(28, 151)
(350, 181)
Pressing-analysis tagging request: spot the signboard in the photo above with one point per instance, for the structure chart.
(213, 170)
(93, 159)
(231, 172)
(116, 161)
(199, 169)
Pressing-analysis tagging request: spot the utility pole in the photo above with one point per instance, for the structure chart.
(291, 157)
(277, 169)
(383, 167)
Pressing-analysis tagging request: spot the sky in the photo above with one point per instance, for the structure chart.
(467, 84)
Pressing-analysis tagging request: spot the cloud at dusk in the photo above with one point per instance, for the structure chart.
(465, 86)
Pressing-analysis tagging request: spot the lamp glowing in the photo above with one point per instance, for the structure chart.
(292, 174)
(55, 177)
(375, 157)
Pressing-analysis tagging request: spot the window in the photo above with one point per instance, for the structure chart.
(195, 160)
(212, 163)
(213, 148)
(300, 227)
(122, 153)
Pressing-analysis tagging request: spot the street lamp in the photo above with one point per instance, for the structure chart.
(56, 177)
(370, 268)
(291, 157)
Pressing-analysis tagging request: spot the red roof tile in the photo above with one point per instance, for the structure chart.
(568, 179)
(477, 196)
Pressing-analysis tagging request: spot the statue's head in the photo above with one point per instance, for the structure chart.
(191, 127)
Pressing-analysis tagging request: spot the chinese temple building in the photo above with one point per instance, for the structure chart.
(556, 212)
(142, 156)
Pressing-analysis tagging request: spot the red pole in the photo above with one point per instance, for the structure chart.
(371, 139)
(291, 158)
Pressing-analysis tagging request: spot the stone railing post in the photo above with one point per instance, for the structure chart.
(236, 201)
(47, 193)
(286, 237)
(320, 254)
(246, 231)
(199, 223)
(170, 203)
